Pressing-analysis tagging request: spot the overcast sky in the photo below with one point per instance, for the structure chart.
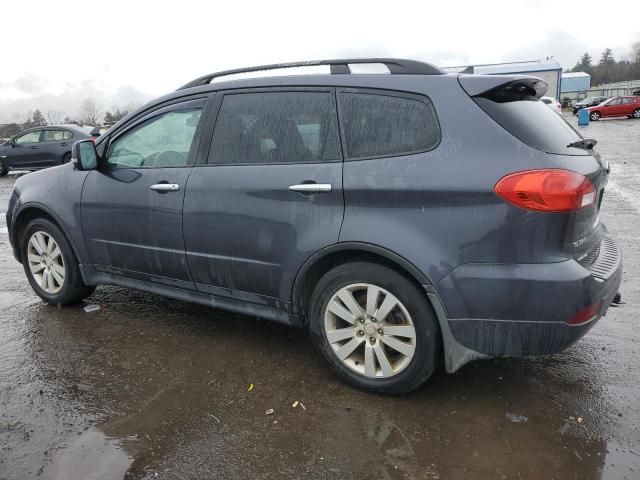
(56, 54)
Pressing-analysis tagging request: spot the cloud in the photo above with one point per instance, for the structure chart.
(30, 92)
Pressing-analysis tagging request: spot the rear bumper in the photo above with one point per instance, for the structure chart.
(514, 310)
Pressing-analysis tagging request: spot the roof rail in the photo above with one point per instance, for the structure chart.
(395, 66)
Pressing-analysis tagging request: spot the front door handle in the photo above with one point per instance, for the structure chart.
(310, 187)
(33, 147)
(165, 187)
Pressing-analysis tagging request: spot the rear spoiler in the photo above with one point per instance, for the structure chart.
(503, 88)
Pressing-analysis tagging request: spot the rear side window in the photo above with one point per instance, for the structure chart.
(378, 125)
(276, 127)
(535, 124)
(53, 135)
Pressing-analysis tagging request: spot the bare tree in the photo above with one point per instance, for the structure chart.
(54, 117)
(90, 112)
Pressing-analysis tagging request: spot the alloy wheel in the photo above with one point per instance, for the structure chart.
(45, 262)
(370, 330)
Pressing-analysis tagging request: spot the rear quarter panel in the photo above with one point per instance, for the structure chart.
(438, 209)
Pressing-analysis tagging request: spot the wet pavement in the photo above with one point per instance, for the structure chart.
(147, 387)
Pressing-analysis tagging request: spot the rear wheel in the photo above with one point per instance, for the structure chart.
(594, 116)
(50, 264)
(636, 113)
(3, 168)
(375, 328)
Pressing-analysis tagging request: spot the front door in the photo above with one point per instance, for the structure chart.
(613, 108)
(269, 195)
(132, 205)
(25, 152)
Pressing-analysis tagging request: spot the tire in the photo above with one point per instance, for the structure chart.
(66, 158)
(367, 338)
(3, 169)
(594, 116)
(35, 241)
(636, 113)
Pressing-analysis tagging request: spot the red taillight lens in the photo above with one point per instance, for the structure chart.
(548, 190)
(585, 315)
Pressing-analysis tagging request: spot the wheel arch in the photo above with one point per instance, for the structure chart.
(29, 212)
(455, 355)
(324, 260)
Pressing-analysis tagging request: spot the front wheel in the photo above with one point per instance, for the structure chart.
(50, 264)
(375, 328)
(595, 116)
(636, 113)
(66, 158)
(3, 168)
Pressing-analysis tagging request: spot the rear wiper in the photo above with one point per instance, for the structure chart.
(586, 143)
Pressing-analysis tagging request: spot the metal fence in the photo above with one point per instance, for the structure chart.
(617, 89)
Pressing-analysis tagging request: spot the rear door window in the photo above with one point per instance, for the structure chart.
(380, 125)
(53, 135)
(276, 127)
(535, 124)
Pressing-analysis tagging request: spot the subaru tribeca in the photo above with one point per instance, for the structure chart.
(405, 217)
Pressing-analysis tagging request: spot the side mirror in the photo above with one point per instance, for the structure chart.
(95, 132)
(12, 142)
(84, 155)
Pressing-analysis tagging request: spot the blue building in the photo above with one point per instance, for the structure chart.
(575, 82)
(549, 70)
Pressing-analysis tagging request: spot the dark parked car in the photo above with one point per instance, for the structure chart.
(405, 217)
(588, 102)
(616, 107)
(40, 147)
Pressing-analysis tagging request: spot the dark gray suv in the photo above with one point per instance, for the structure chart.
(404, 216)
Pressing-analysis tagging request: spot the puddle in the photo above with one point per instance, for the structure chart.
(92, 456)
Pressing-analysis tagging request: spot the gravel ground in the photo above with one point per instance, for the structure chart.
(153, 388)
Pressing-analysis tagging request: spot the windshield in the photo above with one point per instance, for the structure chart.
(535, 124)
(588, 100)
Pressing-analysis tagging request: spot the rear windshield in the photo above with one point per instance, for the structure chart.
(535, 124)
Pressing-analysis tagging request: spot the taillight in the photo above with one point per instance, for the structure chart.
(585, 315)
(548, 190)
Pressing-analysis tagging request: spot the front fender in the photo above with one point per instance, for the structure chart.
(56, 192)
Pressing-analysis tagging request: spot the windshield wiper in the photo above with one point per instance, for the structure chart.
(585, 143)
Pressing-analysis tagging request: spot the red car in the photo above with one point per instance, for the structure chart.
(616, 107)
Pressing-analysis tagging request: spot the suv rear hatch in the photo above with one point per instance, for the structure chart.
(513, 102)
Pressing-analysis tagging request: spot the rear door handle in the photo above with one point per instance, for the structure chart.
(33, 147)
(165, 187)
(310, 187)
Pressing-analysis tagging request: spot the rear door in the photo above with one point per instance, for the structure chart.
(269, 195)
(55, 143)
(628, 106)
(132, 205)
